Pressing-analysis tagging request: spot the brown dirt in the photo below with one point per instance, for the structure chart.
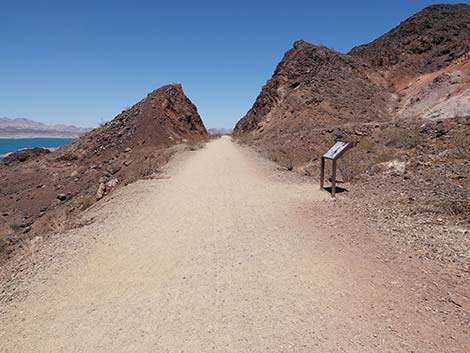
(229, 253)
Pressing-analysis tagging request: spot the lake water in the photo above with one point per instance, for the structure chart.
(12, 145)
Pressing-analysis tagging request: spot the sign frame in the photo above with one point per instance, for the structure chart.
(333, 154)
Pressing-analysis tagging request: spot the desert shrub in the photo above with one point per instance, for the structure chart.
(167, 155)
(194, 145)
(67, 157)
(197, 142)
(285, 158)
(149, 165)
(362, 157)
(146, 165)
(459, 148)
(349, 169)
(148, 161)
(451, 198)
(353, 164)
(458, 206)
(102, 123)
(57, 222)
(87, 201)
(398, 137)
(244, 139)
(215, 136)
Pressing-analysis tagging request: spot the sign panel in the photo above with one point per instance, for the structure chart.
(337, 150)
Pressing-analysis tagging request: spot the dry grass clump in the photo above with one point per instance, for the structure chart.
(57, 221)
(285, 158)
(215, 136)
(197, 142)
(148, 162)
(451, 198)
(87, 201)
(245, 139)
(362, 157)
(397, 137)
(459, 147)
(195, 145)
(147, 165)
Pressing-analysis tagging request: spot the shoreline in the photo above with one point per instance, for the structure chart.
(19, 137)
(52, 149)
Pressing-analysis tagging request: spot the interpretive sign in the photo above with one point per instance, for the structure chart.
(337, 150)
(333, 154)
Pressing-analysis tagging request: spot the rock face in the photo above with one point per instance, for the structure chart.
(316, 87)
(424, 43)
(38, 187)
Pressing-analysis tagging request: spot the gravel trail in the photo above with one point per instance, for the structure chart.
(216, 257)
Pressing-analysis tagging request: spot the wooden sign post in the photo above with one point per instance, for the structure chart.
(333, 154)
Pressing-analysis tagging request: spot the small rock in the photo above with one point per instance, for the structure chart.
(128, 149)
(112, 183)
(113, 169)
(62, 197)
(101, 191)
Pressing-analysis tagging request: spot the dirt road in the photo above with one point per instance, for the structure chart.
(219, 256)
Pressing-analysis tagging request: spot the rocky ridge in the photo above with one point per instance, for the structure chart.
(426, 42)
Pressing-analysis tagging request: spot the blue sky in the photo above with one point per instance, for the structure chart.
(82, 62)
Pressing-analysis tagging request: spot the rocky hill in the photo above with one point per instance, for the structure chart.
(25, 128)
(41, 191)
(419, 70)
(403, 100)
(316, 87)
(165, 117)
(424, 43)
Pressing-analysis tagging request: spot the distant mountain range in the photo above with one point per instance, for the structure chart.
(25, 128)
(222, 131)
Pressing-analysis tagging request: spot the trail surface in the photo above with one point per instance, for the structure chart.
(217, 257)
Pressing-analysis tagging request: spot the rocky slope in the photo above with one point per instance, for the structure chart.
(404, 102)
(40, 191)
(315, 91)
(16, 128)
(424, 43)
(316, 84)
(426, 61)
